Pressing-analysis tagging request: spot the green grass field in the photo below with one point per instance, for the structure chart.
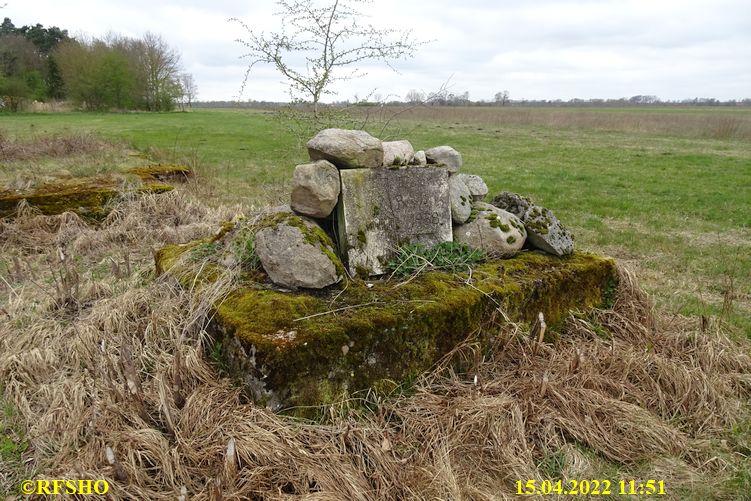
(655, 190)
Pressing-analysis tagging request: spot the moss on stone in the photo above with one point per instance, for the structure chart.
(511, 239)
(89, 197)
(162, 172)
(395, 333)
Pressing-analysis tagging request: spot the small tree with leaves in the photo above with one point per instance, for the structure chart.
(333, 41)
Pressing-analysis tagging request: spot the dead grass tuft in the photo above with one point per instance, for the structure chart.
(122, 389)
(58, 145)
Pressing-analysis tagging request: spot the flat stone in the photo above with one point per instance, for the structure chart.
(544, 230)
(380, 210)
(397, 152)
(347, 149)
(494, 231)
(460, 199)
(295, 252)
(476, 185)
(445, 156)
(290, 353)
(315, 189)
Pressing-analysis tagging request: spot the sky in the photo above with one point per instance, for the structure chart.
(534, 49)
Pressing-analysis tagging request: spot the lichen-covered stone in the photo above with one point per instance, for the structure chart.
(315, 189)
(295, 252)
(89, 197)
(347, 149)
(476, 185)
(291, 351)
(382, 209)
(460, 199)
(494, 231)
(397, 152)
(445, 156)
(544, 230)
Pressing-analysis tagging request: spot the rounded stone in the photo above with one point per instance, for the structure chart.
(315, 189)
(347, 149)
(460, 200)
(446, 156)
(397, 152)
(476, 185)
(494, 231)
(295, 252)
(545, 231)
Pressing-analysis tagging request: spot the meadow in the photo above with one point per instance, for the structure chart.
(665, 191)
(106, 371)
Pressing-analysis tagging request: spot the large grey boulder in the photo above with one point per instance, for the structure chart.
(545, 230)
(315, 189)
(347, 149)
(496, 232)
(460, 199)
(476, 185)
(295, 252)
(445, 156)
(397, 152)
(381, 209)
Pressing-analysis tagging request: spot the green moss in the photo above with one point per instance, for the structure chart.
(361, 238)
(88, 197)
(511, 239)
(393, 334)
(161, 172)
(312, 235)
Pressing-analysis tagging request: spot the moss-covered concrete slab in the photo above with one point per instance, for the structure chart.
(305, 349)
(162, 172)
(88, 197)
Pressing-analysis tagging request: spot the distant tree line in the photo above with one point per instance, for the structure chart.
(116, 72)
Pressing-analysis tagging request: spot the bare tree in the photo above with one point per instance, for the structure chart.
(501, 98)
(189, 88)
(415, 96)
(333, 41)
(161, 66)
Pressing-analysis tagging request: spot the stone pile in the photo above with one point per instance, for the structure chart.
(375, 196)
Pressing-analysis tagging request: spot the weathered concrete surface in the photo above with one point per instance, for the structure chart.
(380, 210)
(293, 350)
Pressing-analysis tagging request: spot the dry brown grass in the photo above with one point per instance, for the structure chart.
(694, 123)
(58, 145)
(622, 392)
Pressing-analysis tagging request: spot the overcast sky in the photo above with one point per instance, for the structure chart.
(535, 49)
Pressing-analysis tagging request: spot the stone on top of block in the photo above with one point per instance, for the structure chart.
(397, 152)
(347, 149)
(445, 156)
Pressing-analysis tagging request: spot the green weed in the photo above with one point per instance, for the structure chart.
(448, 256)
